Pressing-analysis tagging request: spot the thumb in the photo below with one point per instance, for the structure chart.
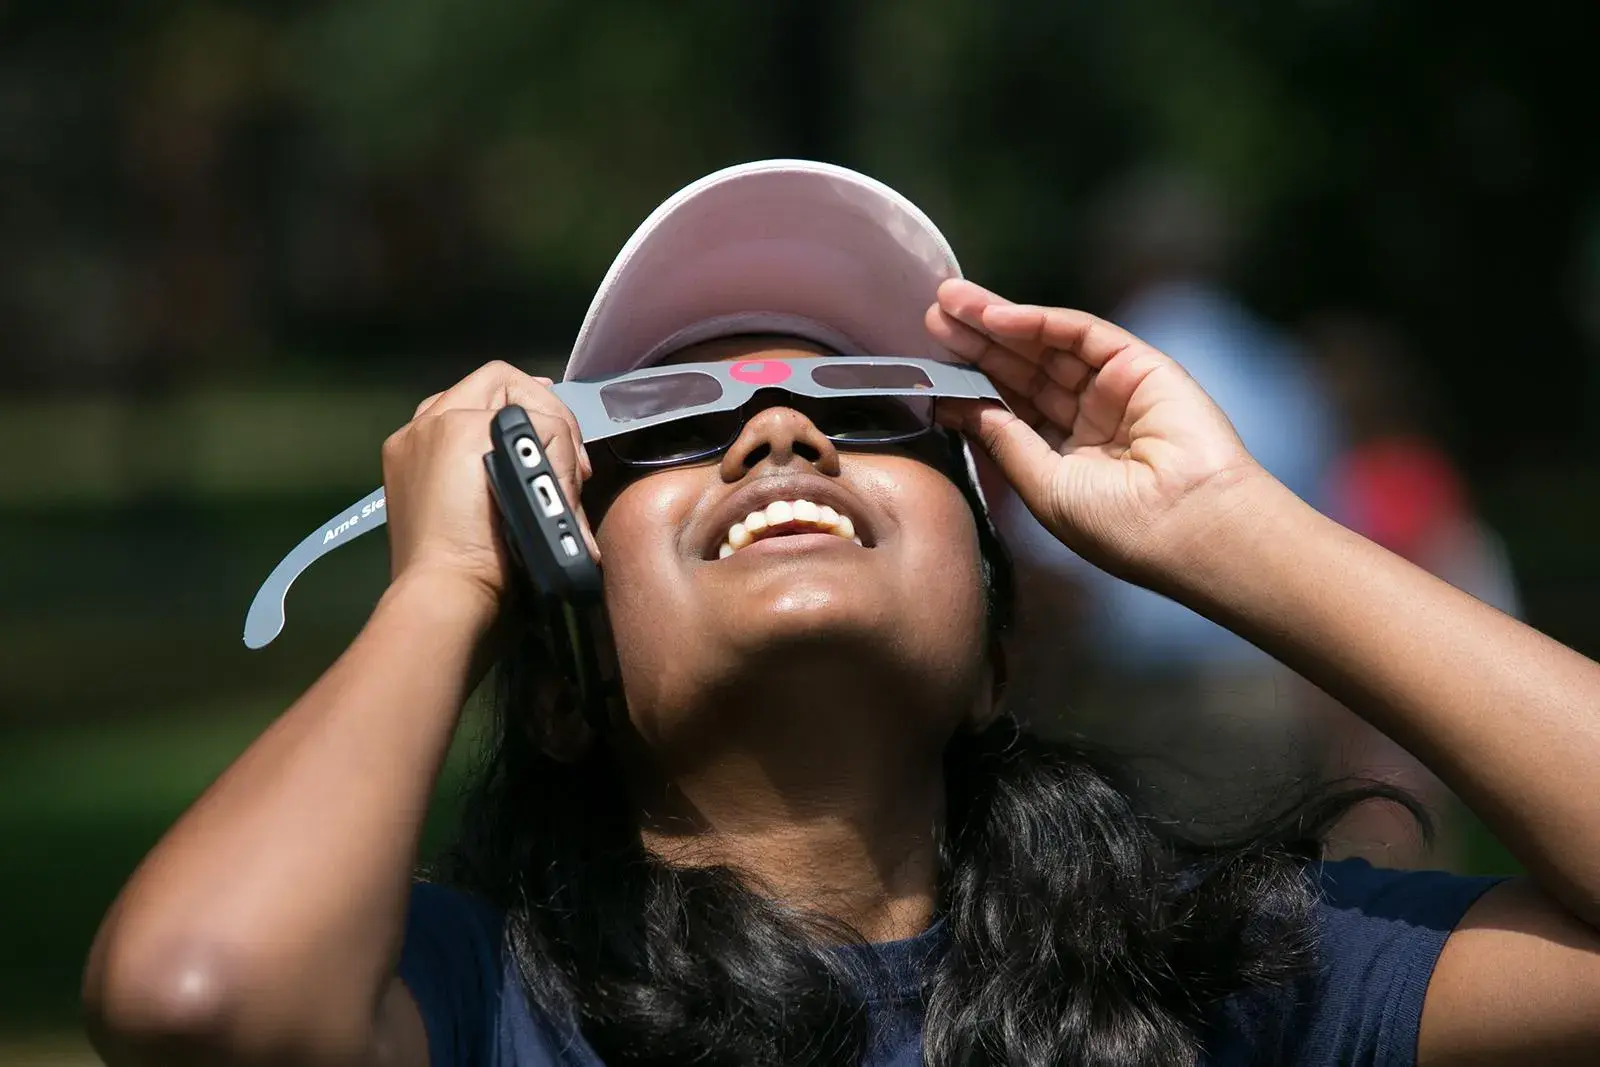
(1024, 457)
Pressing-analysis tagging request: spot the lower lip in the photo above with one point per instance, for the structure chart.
(793, 543)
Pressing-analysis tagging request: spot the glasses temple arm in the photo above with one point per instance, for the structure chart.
(264, 621)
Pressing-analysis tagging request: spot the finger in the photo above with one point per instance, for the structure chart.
(548, 404)
(1023, 408)
(497, 384)
(1027, 387)
(1075, 333)
(533, 393)
(953, 413)
(1003, 367)
(422, 408)
(1056, 406)
(1020, 452)
(489, 387)
(1105, 403)
(966, 301)
(1009, 357)
(427, 404)
(976, 348)
(952, 333)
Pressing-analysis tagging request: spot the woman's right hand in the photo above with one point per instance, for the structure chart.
(442, 517)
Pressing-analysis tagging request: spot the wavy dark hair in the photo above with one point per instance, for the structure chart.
(1078, 927)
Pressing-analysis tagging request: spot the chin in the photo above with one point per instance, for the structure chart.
(809, 612)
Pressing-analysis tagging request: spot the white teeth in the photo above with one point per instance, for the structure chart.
(781, 512)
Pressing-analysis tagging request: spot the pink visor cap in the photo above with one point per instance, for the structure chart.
(776, 246)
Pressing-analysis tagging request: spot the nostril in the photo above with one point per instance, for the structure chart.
(756, 455)
(806, 451)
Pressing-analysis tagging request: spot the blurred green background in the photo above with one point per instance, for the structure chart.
(241, 240)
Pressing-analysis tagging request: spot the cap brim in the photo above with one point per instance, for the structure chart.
(780, 245)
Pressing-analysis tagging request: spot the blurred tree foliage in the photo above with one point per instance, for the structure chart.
(191, 188)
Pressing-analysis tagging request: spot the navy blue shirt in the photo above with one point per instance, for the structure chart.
(1380, 934)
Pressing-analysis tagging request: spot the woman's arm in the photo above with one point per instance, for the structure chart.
(1504, 715)
(1125, 459)
(266, 925)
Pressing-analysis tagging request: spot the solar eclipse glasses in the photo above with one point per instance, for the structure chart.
(665, 416)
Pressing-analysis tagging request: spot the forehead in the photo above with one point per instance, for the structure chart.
(748, 346)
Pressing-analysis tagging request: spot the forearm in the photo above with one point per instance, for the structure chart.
(283, 890)
(1504, 715)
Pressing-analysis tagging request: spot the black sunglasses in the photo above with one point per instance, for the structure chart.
(854, 422)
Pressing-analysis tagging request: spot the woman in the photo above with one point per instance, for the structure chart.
(810, 832)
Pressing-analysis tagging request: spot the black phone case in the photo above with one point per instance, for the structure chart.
(541, 531)
(540, 524)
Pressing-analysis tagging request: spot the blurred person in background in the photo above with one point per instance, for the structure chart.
(811, 831)
(1194, 703)
(1394, 483)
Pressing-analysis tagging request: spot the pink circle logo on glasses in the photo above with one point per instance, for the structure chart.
(760, 371)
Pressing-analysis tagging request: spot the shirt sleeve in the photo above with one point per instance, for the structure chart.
(1381, 933)
(451, 964)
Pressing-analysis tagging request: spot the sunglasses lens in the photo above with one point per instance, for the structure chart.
(869, 419)
(627, 401)
(861, 377)
(859, 419)
(679, 441)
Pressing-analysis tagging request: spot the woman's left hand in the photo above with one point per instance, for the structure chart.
(1110, 443)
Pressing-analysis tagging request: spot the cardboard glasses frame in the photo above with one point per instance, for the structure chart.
(625, 403)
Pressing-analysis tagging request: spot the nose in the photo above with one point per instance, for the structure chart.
(780, 436)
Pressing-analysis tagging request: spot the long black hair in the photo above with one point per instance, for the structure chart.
(1077, 928)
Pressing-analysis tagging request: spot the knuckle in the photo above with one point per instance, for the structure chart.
(553, 422)
(500, 368)
(539, 399)
(394, 444)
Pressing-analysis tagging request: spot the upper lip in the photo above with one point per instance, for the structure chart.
(763, 491)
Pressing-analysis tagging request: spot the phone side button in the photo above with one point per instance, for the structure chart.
(544, 487)
(569, 545)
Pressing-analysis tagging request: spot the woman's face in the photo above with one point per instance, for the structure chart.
(896, 619)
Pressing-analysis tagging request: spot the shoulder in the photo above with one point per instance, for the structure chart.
(452, 937)
(451, 962)
(1355, 888)
(1379, 934)
(459, 967)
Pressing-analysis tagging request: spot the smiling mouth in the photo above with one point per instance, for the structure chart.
(785, 517)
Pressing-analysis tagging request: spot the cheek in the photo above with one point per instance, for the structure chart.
(939, 562)
(638, 549)
(946, 572)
